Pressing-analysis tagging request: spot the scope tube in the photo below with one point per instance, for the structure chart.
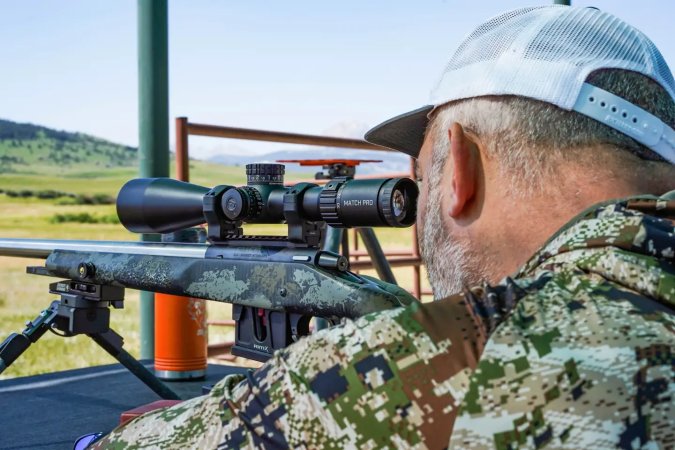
(163, 205)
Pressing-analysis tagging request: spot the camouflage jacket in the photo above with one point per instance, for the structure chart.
(577, 350)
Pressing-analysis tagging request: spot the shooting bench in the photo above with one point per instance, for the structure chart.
(51, 411)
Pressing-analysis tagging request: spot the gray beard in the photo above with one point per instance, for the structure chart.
(448, 262)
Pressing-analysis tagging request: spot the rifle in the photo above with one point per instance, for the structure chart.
(276, 284)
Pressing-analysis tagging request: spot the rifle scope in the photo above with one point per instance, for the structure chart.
(164, 205)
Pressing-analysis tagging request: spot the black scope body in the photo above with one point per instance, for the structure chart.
(164, 205)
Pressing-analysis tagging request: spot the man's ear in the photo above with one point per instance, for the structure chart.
(464, 176)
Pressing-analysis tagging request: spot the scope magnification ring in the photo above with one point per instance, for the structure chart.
(329, 206)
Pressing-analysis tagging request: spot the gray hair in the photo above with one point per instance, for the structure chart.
(528, 137)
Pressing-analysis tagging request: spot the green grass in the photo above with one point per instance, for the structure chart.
(23, 296)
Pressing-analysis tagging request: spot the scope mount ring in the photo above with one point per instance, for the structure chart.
(301, 231)
(219, 227)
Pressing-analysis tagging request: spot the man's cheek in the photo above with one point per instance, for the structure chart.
(422, 205)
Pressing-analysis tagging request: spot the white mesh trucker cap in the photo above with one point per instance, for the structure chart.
(546, 53)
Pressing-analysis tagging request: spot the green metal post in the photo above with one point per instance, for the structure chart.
(153, 124)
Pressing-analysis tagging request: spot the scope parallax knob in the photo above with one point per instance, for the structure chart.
(265, 173)
(244, 203)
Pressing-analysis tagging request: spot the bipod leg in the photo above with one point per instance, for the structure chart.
(377, 256)
(112, 343)
(17, 343)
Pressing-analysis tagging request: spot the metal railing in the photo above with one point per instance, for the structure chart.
(359, 259)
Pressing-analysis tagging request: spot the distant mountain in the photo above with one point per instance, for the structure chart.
(391, 162)
(25, 147)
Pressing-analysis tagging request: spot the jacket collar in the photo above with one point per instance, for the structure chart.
(629, 241)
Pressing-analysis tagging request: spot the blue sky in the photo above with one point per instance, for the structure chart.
(333, 67)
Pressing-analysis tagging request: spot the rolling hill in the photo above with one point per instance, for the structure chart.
(27, 148)
(42, 160)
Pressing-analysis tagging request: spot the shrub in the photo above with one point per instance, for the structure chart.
(67, 197)
(96, 199)
(103, 199)
(48, 194)
(84, 217)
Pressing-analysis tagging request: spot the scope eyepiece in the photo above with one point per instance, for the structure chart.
(388, 202)
(398, 201)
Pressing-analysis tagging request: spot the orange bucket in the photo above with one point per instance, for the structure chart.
(180, 337)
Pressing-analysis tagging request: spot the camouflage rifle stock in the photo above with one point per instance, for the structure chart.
(300, 283)
(277, 284)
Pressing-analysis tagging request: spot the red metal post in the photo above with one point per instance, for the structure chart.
(182, 160)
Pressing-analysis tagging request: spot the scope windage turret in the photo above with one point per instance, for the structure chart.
(163, 205)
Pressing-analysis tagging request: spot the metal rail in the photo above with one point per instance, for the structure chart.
(410, 258)
(184, 128)
(198, 129)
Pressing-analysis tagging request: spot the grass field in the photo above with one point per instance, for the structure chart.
(23, 296)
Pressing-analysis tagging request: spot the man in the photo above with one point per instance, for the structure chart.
(541, 114)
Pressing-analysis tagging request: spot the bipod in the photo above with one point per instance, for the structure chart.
(83, 308)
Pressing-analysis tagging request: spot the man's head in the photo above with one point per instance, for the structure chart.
(513, 152)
